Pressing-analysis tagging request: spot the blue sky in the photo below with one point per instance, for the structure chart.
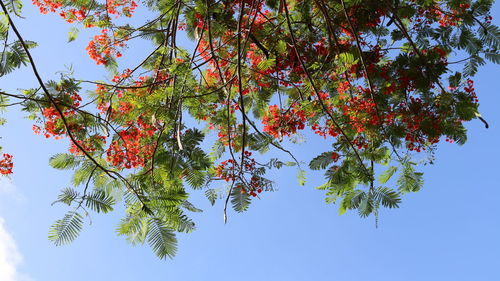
(448, 231)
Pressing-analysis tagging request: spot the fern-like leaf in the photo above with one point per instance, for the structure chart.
(352, 199)
(388, 197)
(387, 174)
(409, 180)
(472, 65)
(493, 57)
(367, 205)
(161, 239)
(240, 200)
(67, 196)
(99, 201)
(134, 227)
(211, 195)
(321, 161)
(490, 35)
(190, 207)
(64, 161)
(195, 178)
(65, 230)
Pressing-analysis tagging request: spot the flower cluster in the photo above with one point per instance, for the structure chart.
(89, 145)
(133, 147)
(52, 122)
(121, 7)
(419, 118)
(362, 112)
(230, 170)
(279, 123)
(470, 90)
(102, 48)
(113, 7)
(6, 164)
(46, 6)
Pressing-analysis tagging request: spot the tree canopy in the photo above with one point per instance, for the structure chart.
(382, 82)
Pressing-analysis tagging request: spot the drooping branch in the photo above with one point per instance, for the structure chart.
(110, 173)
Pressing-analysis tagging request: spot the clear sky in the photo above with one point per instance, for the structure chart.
(450, 230)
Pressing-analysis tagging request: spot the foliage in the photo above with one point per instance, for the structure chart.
(379, 81)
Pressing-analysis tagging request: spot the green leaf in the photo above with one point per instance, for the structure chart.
(134, 227)
(190, 207)
(211, 195)
(195, 178)
(466, 110)
(281, 47)
(14, 6)
(240, 200)
(346, 58)
(161, 239)
(266, 64)
(367, 205)
(64, 161)
(321, 161)
(14, 56)
(388, 197)
(493, 57)
(72, 34)
(490, 35)
(459, 135)
(351, 200)
(99, 201)
(3, 64)
(472, 65)
(217, 151)
(409, 180)
(180, 222)
(259, 142)
(83, 174)
(301, 177)
(342, 209)
(67, 229)
(455, 79)
(387, 174)
(67, 196)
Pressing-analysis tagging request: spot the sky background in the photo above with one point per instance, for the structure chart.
(450, 230)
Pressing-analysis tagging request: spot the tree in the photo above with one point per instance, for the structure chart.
(379, 81)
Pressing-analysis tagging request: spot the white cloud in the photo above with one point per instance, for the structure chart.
(9, 193)
(10, 257)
